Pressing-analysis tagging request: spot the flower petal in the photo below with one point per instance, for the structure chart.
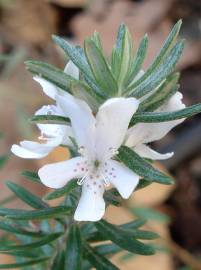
(146, 152)
(30, 149)
(91, 206)
(122, 178)
(72, 70)
(57, 175)
(82, 121)
(113, 119)
(53, 130)
(149, 132)
(48, 88)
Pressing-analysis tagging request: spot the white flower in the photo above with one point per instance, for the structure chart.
(98, 139)
(143, 133)
(51, 136)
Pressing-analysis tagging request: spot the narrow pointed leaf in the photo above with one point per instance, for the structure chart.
(16, 229)
(97, 40)
(150, 214)
(25, 254)
(139, 59)
(154, 117)
(59, 262)
(62, 191)
(124, 54)
(132, 225)
(50, 73)
(142, 184)
(107, 249)
(75, 54)
(3, 160)
(73, 256)
(97, 260)
(43, 241)
(154, 79)
(26, 196)
(100, 69)
(47, 213)
(162, 94)
(123, 238)
(164, 52)
(23, 264)
(33, 176)
(141, 167)
(50, 119)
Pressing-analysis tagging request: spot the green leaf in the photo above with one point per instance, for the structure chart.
(111, 198)
(150, 214)
(47, 213)
(142, 168)
(50, 73)
(43, 241)
(3, 160)
(90, 232)
(132, 225)
(26, 196)
(146, 235)
(100, 69)
(138, 60)
(50, 119)
(62, 191)
(107, 249)
(16, 229)
(76, 56)
(156, 117)
(96, 39)
(23, 264)
(20, 253)
(164, 52)
(59, 261)
(123, 53)
(162, 94)
(33, 176)
(73, 257)
(97, 260)
(90, 97)
(154, 79)
(123, 238)
(142, 184)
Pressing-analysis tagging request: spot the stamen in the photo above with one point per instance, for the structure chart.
(105, 180)
(82, 180)
(81, 150)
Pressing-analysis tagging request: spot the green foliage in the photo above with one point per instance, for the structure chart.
(50, 119)
(150, 214)
(123, 238)
(62, 191)
(157, 117)
(73, 259)
(3, 160)
(23, 264)
(100, 68)
(141, 167)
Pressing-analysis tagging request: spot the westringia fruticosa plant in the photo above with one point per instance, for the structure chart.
(105, 111)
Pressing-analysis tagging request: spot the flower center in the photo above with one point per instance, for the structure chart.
(97, 163)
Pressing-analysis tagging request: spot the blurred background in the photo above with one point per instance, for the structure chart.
(25, 33)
